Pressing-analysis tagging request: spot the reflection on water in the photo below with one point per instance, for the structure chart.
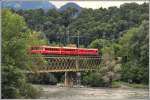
(63, 93)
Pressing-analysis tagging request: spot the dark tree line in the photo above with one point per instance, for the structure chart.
(91, 24)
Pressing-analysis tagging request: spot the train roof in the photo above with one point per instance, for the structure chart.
(80, 48)
(44, 46)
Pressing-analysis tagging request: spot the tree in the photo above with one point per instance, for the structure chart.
(42, 78)
(100, 44)
(15, 38)
(68, 16)
(134, 51)
(91, 24)
(92, 79)
(110, 67)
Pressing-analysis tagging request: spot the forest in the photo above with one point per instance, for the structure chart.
(119, 33)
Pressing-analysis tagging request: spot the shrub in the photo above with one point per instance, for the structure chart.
(92, 79)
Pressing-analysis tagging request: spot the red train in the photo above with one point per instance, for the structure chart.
(63, 50)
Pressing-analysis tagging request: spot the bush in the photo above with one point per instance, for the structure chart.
(92, 79)
(116, 84)
(14, 84)
(31, 92)
(42, 78)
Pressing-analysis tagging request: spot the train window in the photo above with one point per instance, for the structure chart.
(66, 50)
(69, 49)
(55, 49)
(47, 48)
(52, 49)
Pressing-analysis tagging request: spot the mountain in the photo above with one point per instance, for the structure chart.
(25, 5)
(70, 5)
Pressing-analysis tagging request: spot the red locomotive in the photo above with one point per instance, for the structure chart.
(63, 50)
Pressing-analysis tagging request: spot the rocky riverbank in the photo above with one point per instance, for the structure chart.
(85, 93)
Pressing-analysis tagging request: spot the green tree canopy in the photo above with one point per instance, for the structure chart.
(16, 40)
(134, 50)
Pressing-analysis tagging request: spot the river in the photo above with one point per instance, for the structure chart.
(64, 93)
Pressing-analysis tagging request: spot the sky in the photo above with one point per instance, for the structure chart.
(95, 4)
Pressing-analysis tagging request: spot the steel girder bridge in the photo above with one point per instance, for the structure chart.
(70, 65)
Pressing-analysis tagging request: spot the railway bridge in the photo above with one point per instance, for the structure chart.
(71, 65)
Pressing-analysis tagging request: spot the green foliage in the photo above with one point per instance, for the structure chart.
(91, 24)
(116, 84)
(100, 44)
(43, 78)
(135, 52)
(16, 58)
(12, 79)
(137, 85)
(92, 79)
(110, 66)
(68, 16)
(30, 92)
(128, 85)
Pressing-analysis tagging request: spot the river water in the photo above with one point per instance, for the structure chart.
(64, 93)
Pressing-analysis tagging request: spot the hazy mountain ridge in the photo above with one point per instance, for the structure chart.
(70, 5)
(26, 5)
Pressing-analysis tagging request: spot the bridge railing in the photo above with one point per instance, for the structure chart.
(69, 63)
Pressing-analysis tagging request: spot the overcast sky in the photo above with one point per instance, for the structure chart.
(95, 4)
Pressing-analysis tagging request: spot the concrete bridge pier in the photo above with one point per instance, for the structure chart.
(71, 78)
(78, 79)
(68, 79)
